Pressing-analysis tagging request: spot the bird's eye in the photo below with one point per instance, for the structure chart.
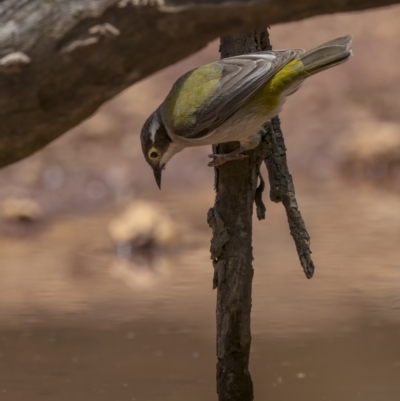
(153, 155)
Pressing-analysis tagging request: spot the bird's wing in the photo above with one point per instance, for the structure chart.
(206, 97)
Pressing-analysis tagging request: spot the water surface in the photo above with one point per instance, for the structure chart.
(78, 323)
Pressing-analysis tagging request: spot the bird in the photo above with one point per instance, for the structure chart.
(230, 99)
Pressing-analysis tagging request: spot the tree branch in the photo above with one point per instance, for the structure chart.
(231, 244)
(61, 60)
(231, 249)
(282, 190)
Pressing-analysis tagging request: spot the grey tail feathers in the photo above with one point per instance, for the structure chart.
(329, 54)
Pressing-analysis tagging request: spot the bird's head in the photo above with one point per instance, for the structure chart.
(156, 145)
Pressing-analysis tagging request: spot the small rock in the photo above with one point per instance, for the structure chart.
(372, 151)
(373, 139)
(21, 210)
(143, 224)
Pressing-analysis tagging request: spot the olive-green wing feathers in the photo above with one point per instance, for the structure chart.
(204, 98)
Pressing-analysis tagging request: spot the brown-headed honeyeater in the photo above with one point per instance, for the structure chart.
(229, 100)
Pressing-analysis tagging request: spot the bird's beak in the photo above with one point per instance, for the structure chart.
(157, 170)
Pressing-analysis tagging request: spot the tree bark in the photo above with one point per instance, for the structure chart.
(61, 60)
(282, 190)
(231, 250)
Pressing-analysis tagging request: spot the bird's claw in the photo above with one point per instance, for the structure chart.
(220, 159)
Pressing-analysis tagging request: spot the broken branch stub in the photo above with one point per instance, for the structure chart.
(282, 190)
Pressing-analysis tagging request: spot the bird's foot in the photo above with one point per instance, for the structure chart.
(220, 159)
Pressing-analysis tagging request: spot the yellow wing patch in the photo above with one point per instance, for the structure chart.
(286, 76)
(269, 95)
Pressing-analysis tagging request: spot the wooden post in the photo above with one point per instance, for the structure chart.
(231, 245)
(231, 250)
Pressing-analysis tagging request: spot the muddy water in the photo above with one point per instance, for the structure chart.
(78, 323)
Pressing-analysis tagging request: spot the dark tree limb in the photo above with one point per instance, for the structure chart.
(282, 187)
(231, 249)
(61, 60)
(231, 244)
(282, 190)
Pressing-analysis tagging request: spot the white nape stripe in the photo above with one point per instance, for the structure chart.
(155, 125)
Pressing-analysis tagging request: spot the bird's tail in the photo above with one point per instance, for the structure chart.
(329, 54)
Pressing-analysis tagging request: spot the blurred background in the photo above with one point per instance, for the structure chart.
(106, 282)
